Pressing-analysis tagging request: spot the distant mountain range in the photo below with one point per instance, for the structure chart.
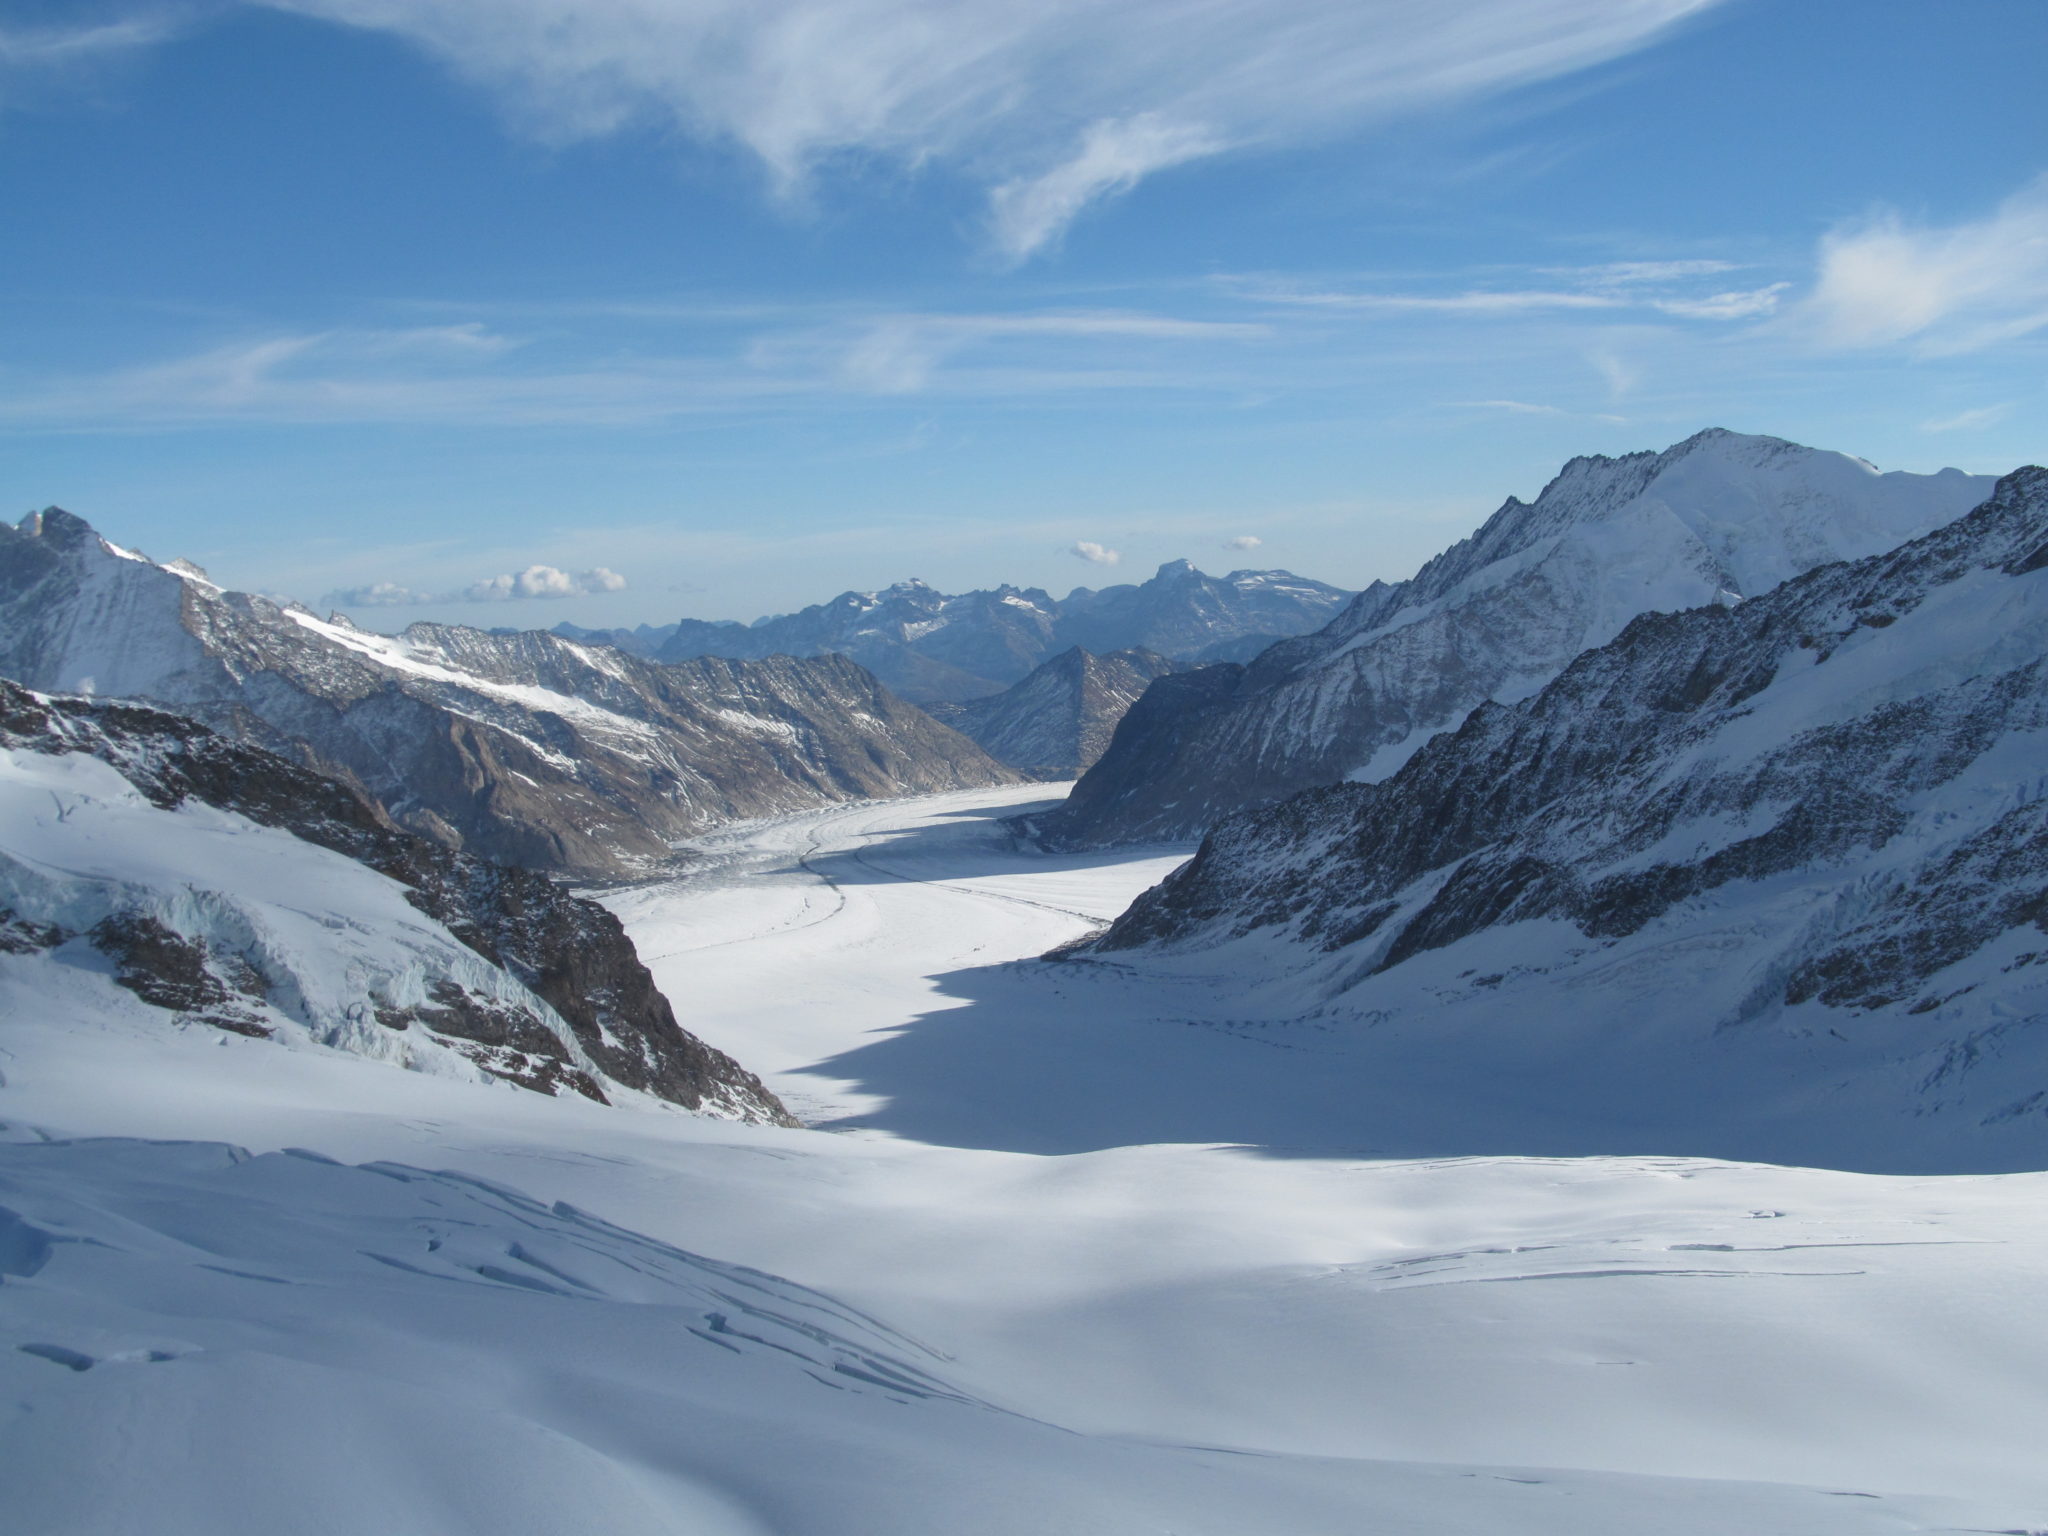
(527, 747)
(930, 647)
(1780, 863)
(1718, 518)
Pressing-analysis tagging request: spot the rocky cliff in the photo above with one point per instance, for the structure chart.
(1717, 518)
(299, 912)
(1810, 827)
(932, 647)
(1058, 721)
(528, 748)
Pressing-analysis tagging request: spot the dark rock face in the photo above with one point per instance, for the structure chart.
(1058, 721)
(569, 952)
(1867, 729)
(169, 971)
(23, 936)
(933, 648)
(527, 748)
(1718, 517)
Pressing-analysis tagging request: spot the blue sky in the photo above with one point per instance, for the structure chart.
(511, 311)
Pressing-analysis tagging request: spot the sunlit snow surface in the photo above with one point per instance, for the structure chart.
(975, 1309)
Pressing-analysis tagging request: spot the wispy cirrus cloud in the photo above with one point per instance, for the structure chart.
(1944, 290)
(468, 373)
(35, 58)
(1970, 421)
(1051, 107)
(898, 354)
(47, 47)
(1529, 408)
(1603, 293)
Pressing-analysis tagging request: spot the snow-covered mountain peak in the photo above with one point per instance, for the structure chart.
(1816, 816)
(529, 746)
(936, 647)
(1717, 518)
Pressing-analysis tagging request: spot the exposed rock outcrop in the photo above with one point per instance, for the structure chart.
(560, 999)
(527, 748)
(932, 647)
(1058, 721)
(1821, 813)
(1718, 518)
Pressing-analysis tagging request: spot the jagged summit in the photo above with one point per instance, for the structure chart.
(939, 648)
(1716, 518)
(1791, 854)
(530, 747)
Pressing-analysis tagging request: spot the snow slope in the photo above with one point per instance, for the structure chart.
(1773, 878)
(525, 747)
(1197, 1338)
(193, 881)
(1717, 518)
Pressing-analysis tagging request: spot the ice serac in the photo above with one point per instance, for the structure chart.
(1804, 838)
(1058, 721)
(936, 648)
(1719, 517)
(234, 889)
(526, 747)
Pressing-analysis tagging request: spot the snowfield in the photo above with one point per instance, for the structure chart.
(1063, 1251)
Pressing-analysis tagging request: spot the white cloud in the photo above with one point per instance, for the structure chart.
(1622, 375)
(1031, 212)
(1603, 293)
(1520, 408)
(897, 354)
(1947, 290)
(1244, 541)
(1093, 553)
(1969, 421)
(536, 581)
(380, 594)
(1742, 304)
(1617, 273)
(34, 59)
(1479, 302)
(468, 374)
(1527, 408)
(1052, 106)
(543, 581)
(48, 47)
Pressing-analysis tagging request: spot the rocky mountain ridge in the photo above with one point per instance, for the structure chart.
(525, 747)
(1719, 517)
(300, 911)
(1812, 826)
(1058, 721)
(933, 647)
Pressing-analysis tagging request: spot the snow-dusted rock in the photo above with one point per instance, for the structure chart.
(1058, 721)
(1718, 518)
(1810, 829)
(231, 888)
(932, 647)
(525, 747)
